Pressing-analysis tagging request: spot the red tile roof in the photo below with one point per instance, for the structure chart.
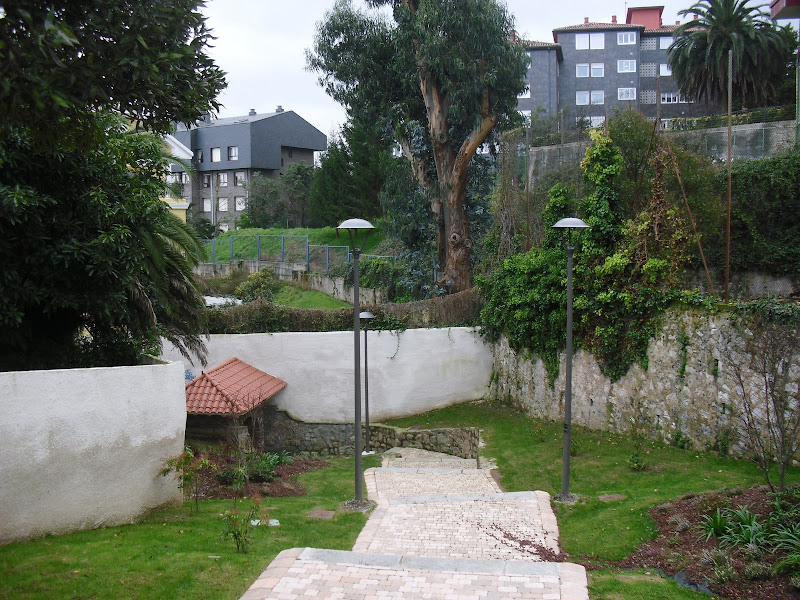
(233, 386)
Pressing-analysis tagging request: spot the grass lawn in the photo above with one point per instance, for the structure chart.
(177, 553)
(528, 454)
(297, 296)
(245, 245)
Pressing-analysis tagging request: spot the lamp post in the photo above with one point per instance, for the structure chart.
(353, 227)
(366, 316)
(569, 224)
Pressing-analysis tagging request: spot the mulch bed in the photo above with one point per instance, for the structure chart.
(284, 484)
(679, 547)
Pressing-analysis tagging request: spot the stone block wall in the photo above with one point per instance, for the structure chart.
(281, 432)
(688, 386)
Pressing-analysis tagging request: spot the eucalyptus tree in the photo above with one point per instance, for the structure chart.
(699, 55)
(439, 75)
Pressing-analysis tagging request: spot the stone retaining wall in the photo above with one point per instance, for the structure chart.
(687, 387)
(281, 432)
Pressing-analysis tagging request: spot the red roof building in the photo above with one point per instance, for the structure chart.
(232, 387)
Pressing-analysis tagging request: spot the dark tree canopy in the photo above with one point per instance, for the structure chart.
(699, 55)
(69, 58)
(440, 78)
(96, 268)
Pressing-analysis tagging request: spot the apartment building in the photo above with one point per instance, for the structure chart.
(592, 68)
(226, 153)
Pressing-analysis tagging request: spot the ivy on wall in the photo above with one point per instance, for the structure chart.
(624, 272)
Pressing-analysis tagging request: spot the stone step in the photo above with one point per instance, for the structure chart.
(307, 572)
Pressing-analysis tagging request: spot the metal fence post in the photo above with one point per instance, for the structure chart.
(231, 253)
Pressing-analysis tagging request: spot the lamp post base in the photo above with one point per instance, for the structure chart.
(568, 499)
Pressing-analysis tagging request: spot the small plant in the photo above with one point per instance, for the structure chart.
(189, 469)
(239, 525)
(714, 524)
(636, 462)
(756, 571)
(262, 467)
(680, 441)
(721, 565)
(788, 565)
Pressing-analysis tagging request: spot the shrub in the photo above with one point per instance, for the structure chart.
(260, 285)
(714, 524)
(262, 467)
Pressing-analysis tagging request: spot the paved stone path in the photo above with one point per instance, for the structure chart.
(442, 529)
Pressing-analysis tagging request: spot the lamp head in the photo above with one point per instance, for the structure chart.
(353, 226)
(570, 223)
(366, 316)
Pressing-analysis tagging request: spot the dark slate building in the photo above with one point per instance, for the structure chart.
(593, 68)
(228, 152)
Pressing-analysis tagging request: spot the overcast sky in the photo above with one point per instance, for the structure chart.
(261, 46)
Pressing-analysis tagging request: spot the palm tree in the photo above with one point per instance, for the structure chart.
(699, 55)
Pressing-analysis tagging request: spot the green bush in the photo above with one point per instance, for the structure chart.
(262, 467)
(260, 285)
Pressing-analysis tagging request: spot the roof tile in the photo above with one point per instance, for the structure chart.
(233, 386)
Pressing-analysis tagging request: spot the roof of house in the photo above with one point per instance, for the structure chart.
(598, 27)
(232, 387)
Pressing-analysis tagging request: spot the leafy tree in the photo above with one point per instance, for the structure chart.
(699, 55)
(63, 60)
(440, 78)
(351, 174)
(265, 206)
(96, 267)
(296, 187)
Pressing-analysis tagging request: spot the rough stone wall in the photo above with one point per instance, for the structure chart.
(687, 386)
(281, 432)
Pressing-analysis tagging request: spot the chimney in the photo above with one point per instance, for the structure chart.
(585, 20)
(252, 112)
(513, 37)
(613, 19)
(677, 22)
(279, 109)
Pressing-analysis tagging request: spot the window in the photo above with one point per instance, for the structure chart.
(664, 70)
(664, 42)
(596, 121)
(582, 70)
(587, 41)
(233, 152)
(672, 98)
(207, 181)
(626, 66)
(239, 178)
(598, 97)
(222, 179)
(198, 156)
(626, 93)
(184, 178)
(172, 178)
(206, 204)
(647, 69)
(625, 38)
(581, 98)
(223, 226)
(215, 155)
(240, 202)
(526, 93)
(223, 205)
(598, 69)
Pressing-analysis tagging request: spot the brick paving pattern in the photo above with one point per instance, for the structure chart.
(442, 529)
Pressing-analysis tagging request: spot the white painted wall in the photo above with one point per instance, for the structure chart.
(410, 372)
(82, 448)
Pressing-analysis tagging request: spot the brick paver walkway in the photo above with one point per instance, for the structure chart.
(442, 529)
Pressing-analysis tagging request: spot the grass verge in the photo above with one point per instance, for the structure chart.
(297, 296)
(177, 553)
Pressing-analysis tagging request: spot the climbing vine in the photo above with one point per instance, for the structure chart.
(624, 272)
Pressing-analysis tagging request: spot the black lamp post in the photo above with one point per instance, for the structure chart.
(569, 224)
(366, 317)
(353, 227)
